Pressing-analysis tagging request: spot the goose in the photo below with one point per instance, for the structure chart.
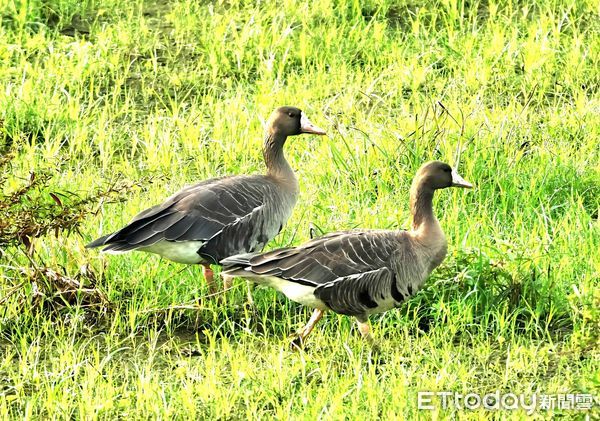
(216, 218)
(358, 272)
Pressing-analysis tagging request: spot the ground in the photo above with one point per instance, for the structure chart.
(156, 95)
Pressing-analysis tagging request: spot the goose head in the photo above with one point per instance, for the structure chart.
(290, 121)
(439, 175)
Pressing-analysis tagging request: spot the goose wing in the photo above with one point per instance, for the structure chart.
(358, 294)
(196, 213)
(352, 272)
(323, 259)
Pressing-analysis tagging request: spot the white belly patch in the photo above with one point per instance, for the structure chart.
(299, 293)
(177, 251)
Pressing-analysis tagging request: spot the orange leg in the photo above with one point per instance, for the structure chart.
(303, 333)
(365, 331)
(209, 276)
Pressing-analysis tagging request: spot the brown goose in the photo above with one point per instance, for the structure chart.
(359, 272)
(209, 221)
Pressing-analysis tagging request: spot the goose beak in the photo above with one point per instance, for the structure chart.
(307, 127)
(458, 181)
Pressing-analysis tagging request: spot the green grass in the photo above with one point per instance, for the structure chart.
(98, 92)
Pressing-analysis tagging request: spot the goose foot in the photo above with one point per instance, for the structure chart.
(302, 334)
(296, 344)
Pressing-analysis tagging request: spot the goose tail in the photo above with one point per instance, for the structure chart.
(98, 242)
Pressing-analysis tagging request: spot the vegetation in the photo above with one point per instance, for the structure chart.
(98, 94)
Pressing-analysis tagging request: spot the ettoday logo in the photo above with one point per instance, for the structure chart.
(496, 401)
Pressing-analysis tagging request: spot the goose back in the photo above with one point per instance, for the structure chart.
(355, 273)
(209, 220)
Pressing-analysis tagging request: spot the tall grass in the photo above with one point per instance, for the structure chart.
(101, 92)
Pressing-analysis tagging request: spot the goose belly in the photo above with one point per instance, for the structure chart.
(299, 293)
(177, 251)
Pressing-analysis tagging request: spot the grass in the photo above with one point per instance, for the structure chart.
(96, 93)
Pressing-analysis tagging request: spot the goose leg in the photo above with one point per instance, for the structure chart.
(303, 333)
(209, 276)
(365, 331)
(249, 288)
(227, 282)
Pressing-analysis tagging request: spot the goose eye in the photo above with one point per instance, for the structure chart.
(447, 170)
(291, 114)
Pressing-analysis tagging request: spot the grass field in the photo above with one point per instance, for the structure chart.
(97, 93)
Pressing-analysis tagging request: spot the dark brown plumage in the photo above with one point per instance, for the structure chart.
(217, 218)
(361, 272)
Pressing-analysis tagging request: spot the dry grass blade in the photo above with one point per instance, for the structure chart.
(53, 289)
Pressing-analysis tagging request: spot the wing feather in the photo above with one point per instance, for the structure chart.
(227, 205)
(356, 295)
(327, 257)
(355, 273)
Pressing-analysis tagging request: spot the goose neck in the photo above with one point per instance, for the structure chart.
(421, 206)
(426, 229)
(277, 165)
